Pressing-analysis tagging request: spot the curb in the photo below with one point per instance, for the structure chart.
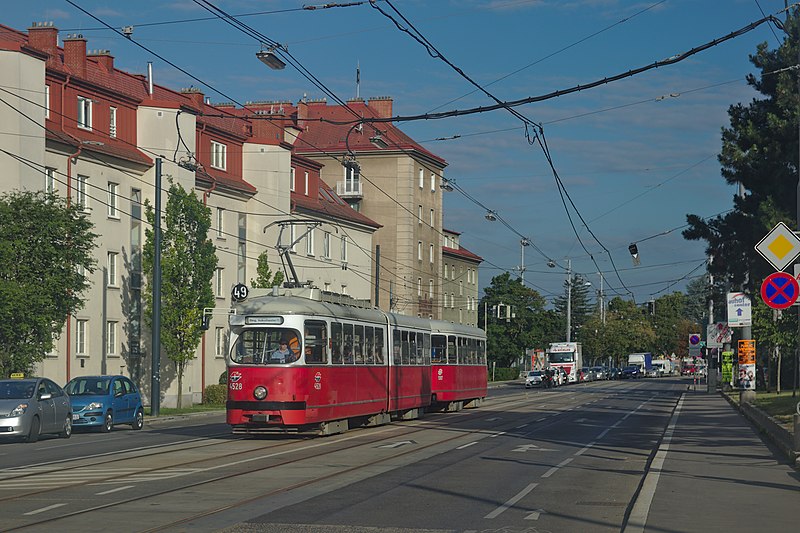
(781, 437)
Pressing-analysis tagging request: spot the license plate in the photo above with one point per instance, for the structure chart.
(75, 417)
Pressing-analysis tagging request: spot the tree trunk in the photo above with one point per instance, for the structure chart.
(180, 386)
(780, 363)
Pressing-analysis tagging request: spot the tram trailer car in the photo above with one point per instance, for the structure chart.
(338, 373)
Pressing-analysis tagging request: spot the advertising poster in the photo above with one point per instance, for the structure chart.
(727, 367)
(747, 365)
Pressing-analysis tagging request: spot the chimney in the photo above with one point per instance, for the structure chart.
(75, 54)
(382, 105)
(105, 58)
(44, 36)
(195, 95)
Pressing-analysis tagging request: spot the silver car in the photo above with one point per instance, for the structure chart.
(30, 407)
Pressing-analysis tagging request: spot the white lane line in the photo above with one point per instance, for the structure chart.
(535, 514)
(43, 509)
(114, 490)
(550, 472)
(521, 494)
(603, 433)
(520, 427)
(585, 448)
(467, 445)
(541, 419)
(641, 508)
(497, 434)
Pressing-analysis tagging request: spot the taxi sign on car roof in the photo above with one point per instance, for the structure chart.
(17, 375)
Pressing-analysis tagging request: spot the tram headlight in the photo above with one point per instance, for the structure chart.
(260, 392)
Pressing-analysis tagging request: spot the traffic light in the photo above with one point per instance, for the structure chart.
(634, 250)
(206, 320)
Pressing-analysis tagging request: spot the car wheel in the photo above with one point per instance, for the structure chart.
(33, 434)
(66, 431)
(108, 423)
(138, 420)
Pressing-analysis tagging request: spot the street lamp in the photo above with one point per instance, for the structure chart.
(269, 58)
(523, 243)
(491, 216)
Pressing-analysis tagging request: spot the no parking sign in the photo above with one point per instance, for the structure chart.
(779, 290)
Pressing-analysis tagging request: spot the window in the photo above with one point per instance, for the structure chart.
(113, 200)
(219, 342)
(430, 288)
(220, 223)
(326, 245)
(81, 332)
(305, 178)
(112, 122)
(452, 300)
(444, 270)
(293, 238)
(419, 250)
(431, 218)
(461, 287)
(352, 178)
(46, 101)
(241, 262)
(419, 215)
(49, 180)
(310, 241)
(111, 270)
(111, 337)
(291, 179)
(218, 283)
(81, 199)
(452, 272)
(344, 248)
(430, 250)
(433, 182)
(84, 113)
(421, 178)
(445, 300)
(219, 155)
(419, 286)
(344, 289)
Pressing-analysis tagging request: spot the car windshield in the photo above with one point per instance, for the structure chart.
(263, 346)
(88, 386)
(17, 390)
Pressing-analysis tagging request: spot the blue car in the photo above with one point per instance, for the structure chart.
(104, 401)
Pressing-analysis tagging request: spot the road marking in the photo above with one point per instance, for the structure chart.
(535, 515)
(497, 434)
(521, 494)
(541, 419)
(467, 445)
(495, 419)
(580, 452)
(520, 427)
(43, 509)
(114, 490)
(397, 444)
(641, 508)
(529, 447)
(603, 433)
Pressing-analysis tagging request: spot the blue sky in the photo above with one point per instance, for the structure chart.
(635, 156)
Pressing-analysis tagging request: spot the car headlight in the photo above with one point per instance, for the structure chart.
(93, 406)
(260, 392)
(18, 410)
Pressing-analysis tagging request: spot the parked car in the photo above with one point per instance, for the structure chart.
(104, 401)
(652, 373)
(688, 370)
(586, 374)
(599, 372)
(31, 407)
(534, 378)
(631, 372)
(614, 373)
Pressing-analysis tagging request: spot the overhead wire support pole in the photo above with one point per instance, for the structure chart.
(155, 377)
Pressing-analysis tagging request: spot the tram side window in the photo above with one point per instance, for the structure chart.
(369, 345)
(462, 351)
(413, 358)
(380, 342)
(397, 347)
(452, 350)
(316, 342)
(439, 349)
(336, 343)
(473, 351)
(405, 351)
(348, 343)
(426, 349)
(358, 344)
(482, 351)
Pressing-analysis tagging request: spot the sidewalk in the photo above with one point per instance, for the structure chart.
(714, 473)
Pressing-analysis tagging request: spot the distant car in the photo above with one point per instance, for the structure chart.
(614, 373)
(631, 372)
(587, 374)
(534, 378)
(652, 373)
(688, 370)
(599, 372)
(104, 401)
(31, 407)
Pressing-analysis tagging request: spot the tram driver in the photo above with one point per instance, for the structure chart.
(283, 354)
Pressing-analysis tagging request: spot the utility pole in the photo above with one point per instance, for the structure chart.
(155, 378)
(569, 300)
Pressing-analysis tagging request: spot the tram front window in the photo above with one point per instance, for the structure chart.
(266, 346)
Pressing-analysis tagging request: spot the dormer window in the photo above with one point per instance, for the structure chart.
(219, 155)
(84, 113)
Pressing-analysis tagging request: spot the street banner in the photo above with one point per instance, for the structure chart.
(747, 364)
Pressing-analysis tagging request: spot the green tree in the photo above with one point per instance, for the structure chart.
(188, 261)
(508, 337)
(580, 307)
(44, 245)
(264, 276)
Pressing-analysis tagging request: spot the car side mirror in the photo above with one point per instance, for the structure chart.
(45, 396)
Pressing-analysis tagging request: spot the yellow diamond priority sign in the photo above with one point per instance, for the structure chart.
(780, 246)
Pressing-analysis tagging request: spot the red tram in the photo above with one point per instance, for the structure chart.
(337, 372)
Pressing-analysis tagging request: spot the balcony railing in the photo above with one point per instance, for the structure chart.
(349, 189)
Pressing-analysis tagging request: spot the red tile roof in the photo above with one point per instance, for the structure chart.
(462, 252)
(329, 204)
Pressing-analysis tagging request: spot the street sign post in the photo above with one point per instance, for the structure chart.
(780, 246)
(747, 364)
(779, 290)
(739, 310)
(718, 334)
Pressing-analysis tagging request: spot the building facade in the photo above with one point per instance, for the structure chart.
(459, 281)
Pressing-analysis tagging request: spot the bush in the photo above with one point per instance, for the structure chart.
(215, 395)
(504, 374)
(223, 378)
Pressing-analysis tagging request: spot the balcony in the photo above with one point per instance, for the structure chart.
(349, 189)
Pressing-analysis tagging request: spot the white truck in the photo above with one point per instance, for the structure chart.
(663, 367)
(643, 360)
(568, 356)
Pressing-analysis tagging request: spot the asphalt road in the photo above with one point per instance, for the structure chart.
(638, 455)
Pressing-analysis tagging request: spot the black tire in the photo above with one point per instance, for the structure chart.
(138, 420)
(36, 427)
(66, 431)
(108, 423)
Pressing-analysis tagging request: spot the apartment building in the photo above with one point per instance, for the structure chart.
(459, 281)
